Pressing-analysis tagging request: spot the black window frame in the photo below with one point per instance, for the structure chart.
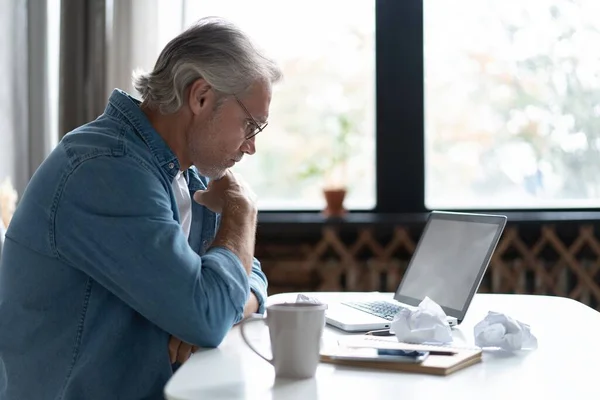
(400, 149)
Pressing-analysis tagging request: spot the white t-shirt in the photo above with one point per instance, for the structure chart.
(184, 201)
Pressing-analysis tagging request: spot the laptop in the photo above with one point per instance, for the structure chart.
(447, 265)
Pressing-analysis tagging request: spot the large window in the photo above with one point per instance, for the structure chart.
(433, 104)
(512, 103)
(322, 119)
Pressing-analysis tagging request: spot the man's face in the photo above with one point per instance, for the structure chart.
(217, 143)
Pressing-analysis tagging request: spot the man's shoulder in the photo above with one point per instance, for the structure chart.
(103, 140)
(103, 136)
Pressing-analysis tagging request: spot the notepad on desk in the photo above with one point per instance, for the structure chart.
(442, 360)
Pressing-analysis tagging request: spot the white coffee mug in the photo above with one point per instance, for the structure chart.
(295, 330)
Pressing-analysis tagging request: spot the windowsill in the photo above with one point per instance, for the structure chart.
(373, 218)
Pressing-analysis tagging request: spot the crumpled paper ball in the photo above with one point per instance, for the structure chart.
(501, 331)
(427, 324)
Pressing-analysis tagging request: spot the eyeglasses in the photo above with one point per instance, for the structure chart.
(253, 128)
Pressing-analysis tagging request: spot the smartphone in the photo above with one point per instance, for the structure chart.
(373, 354)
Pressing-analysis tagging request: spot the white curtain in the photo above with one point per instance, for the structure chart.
(13, 91)
(24, 129)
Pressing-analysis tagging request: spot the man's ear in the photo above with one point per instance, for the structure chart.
(200, 96)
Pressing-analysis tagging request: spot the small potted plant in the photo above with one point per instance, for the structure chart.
(331, 167)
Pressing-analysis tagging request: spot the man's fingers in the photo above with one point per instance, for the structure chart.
(185, 351)
(180, 351)
(173, 348)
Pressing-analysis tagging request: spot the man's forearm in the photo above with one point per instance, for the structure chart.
(237, 232)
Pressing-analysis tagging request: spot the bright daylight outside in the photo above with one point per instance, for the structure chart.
(321, 125)
(512, 91)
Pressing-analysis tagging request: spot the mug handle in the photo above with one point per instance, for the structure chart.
(254, 318)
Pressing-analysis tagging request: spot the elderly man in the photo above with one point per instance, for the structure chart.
(133, 243)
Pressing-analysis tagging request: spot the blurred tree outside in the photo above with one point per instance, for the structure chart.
(329, 167)
(512, 103)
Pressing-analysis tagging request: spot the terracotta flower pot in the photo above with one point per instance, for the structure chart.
(335, 202)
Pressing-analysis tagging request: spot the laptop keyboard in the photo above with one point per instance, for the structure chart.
(382, 309)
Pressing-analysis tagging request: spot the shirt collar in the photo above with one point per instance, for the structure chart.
(124, 106)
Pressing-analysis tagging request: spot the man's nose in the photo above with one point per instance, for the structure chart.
(249, 146)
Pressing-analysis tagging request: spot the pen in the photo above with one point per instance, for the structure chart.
(440, 352)
(381, 332)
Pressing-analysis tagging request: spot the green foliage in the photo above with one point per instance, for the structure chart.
(335, 157)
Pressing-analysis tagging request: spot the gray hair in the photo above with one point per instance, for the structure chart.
(213, 49)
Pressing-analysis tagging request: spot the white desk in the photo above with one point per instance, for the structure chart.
(565, 365)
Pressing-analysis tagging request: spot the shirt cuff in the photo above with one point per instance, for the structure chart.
(257, 286)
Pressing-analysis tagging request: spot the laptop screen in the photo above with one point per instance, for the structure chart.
(450, 261)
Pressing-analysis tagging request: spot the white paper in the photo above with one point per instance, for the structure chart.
(427, 324)
(501, 331)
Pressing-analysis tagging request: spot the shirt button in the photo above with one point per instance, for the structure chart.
(171, 165)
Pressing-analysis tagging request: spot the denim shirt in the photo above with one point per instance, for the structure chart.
(96, 273)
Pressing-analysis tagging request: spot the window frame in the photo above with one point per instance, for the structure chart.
(400, 147)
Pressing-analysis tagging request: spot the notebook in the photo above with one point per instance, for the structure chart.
(463, 357)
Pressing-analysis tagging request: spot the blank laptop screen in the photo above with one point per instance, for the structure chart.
(448, 261)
